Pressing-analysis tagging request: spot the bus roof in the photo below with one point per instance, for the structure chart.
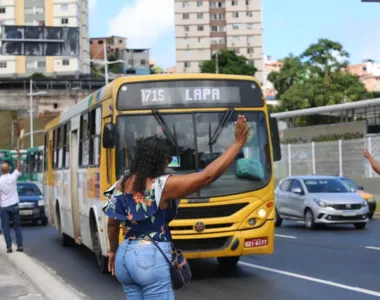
(35, 149)
(107, 91)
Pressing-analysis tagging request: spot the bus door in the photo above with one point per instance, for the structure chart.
(74, 185)
(50, 181)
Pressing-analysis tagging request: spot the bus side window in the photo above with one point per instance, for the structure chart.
(275, 139)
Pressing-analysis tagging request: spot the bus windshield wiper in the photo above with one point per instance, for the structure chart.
(213, 138)
(169, 135)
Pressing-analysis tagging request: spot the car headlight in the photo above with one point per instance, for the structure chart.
(364, 204)
(41, 203)
(321, 203)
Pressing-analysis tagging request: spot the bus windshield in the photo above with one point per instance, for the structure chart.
(197, 139)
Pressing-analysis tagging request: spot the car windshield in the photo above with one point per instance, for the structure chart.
(28, 190)
(325, 186)
(196, 140)
(350, 184)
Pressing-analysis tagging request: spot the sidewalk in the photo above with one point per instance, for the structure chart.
(14, 285)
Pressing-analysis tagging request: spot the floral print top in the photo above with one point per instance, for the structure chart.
(141, 215)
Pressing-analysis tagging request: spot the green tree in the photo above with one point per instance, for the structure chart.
(229, 63)
(318, 77)
(156, 70)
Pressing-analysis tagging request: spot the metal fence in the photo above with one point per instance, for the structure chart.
(343, 157)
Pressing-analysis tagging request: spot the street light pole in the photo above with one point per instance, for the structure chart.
(31, 112)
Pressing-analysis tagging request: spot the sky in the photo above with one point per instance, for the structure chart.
(289, 26)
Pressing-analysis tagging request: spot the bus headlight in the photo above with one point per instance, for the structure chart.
(41, 203)
(262, 213)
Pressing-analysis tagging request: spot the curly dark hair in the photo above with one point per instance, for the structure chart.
(150, 161)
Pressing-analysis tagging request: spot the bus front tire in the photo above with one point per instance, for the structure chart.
(101, 260)
(228, 262)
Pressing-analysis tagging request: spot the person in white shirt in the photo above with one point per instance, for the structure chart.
(9, 208)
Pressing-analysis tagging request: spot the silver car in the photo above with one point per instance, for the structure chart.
(319, 199)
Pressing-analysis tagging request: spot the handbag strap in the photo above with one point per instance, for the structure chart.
(159, 249)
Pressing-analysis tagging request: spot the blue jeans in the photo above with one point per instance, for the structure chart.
(8, 214)
(143, 271)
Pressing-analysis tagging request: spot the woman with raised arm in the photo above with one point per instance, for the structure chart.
(148, 203)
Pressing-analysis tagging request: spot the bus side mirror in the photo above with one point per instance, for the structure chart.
(109, 136)
(276, 146)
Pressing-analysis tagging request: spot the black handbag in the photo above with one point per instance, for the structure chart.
(180, 271)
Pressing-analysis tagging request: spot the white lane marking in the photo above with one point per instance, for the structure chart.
(286, 236)
(373, 248)
(313, 279)
(301, 222)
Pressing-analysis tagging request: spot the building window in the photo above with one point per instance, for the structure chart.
(250, 51)
(31, 65)
(235, 14)
(200, 28)
(41, 64)
(185, 4)
(64, 7)
(200, 40)
(214, 17)
(120, 41)
(186, 28)
(235, 26)
(2, 10)
(65, 62)
(251, 62)
(3, 64)
(100, 42)
(187, 64)
(200, 16)
(199, 3)
(249, 14)
(64, 21)
(248, 2)
(143, 62)
(214, 28)
(221, 16)
(187, 52)
(186, 16)
(250, 26)
(234, 2)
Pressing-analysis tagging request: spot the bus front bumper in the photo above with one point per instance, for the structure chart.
(254, 241)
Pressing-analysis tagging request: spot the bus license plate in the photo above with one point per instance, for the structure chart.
(26, 212)
(349, 213)
(256, 242)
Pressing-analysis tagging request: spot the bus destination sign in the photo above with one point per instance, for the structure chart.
(175, 95)
(189, 93)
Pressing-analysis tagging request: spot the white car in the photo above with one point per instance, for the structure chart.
(319, 199)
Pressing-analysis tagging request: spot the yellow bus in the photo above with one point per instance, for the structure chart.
(89, 147)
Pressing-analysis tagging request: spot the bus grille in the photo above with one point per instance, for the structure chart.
(202, 244)
(205, 212)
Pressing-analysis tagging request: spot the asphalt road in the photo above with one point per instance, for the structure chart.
(328, 263)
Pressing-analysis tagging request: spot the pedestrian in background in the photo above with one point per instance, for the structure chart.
(9, 209)
(375, 166)
(147, 205)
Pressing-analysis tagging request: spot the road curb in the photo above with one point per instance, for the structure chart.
(45, 282)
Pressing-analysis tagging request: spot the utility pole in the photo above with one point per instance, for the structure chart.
(105, 61)
(31, 112)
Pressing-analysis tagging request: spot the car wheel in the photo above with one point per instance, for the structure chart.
(228, 262)
(44, 221)
(277, 219)
(360, 225)
(309, 219)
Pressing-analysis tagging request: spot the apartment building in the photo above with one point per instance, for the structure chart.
(206, 26)
(114, 43)
(54, 13)
(369, 73)
(136, 61)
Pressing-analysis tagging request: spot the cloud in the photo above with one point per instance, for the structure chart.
(91, 5)
(144, 23)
